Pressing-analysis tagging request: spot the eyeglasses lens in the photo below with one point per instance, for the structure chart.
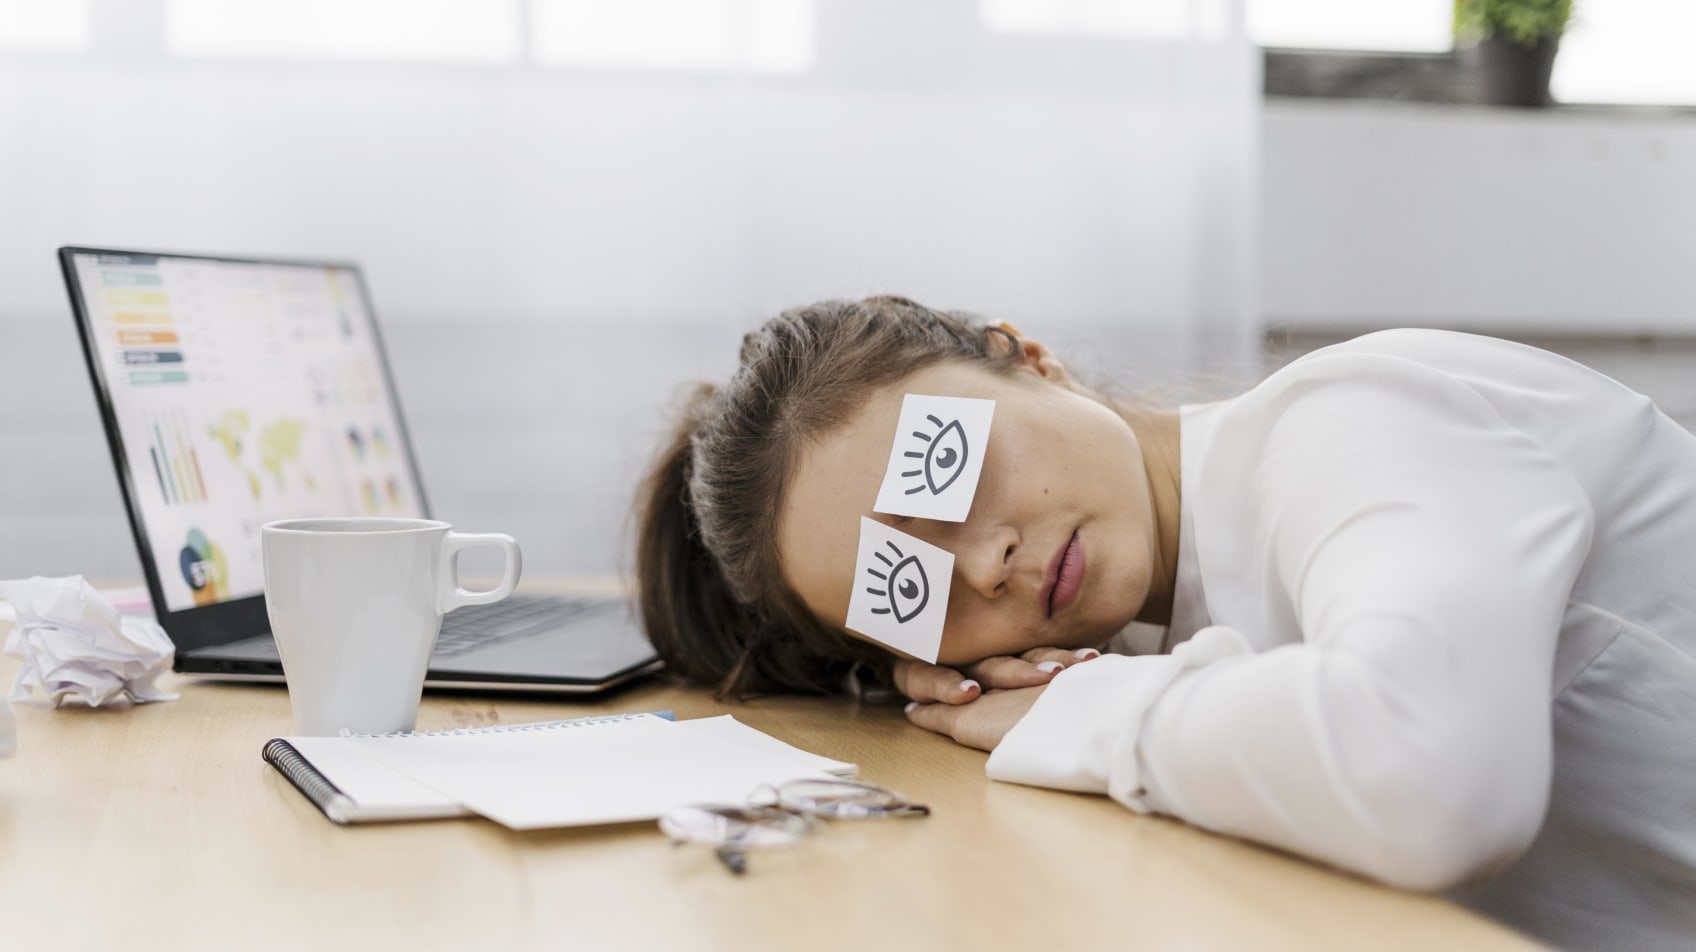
(840, 799)
(752, 828)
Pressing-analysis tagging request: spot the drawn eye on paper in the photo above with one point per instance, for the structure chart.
(943, 458)
(937, 457)
(904, 584)
(900, 593)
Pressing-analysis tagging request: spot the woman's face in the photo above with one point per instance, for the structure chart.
(1058, 466)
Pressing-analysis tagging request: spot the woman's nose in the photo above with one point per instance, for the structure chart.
(985, 561)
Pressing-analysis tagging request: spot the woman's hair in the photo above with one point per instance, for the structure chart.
(712, 592)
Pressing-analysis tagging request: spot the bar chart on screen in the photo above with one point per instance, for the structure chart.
(144, 325)
(176, 460)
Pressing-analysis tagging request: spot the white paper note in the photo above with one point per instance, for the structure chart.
(936, 458)
(613, 772)
(901, 587)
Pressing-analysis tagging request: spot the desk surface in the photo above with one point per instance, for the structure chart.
(159, 826)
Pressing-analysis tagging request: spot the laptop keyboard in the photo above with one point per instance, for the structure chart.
(477, 625)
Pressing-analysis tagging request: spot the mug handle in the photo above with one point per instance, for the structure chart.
(454, 596)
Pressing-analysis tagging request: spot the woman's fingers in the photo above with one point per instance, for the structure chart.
(949, 720)
(982, 723)
(1003, 671)
(1033, 667)
(1065, 657)
(927, 683)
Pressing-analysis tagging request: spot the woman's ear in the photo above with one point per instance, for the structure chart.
(1032, 354)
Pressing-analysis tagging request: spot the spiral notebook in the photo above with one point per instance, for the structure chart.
(612, 769)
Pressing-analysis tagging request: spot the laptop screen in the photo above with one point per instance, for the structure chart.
(241, 392)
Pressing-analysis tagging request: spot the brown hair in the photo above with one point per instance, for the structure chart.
(712, 593)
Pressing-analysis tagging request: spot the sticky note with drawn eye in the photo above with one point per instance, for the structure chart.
(900, 590)
(937, 457)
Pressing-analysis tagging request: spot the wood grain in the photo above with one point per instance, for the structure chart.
(159, 827)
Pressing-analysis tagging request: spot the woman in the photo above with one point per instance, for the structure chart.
(1429, 598)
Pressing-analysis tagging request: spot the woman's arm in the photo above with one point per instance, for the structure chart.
(1427, 551)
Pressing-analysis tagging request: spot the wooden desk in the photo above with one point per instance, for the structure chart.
(159, 827)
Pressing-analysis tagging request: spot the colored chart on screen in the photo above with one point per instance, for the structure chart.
(271, 449)
(205, 569)
(175, 461)
(243, 392)
(144, 325)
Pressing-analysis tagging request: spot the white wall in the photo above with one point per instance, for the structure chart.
(552, 252)
(1500, 220)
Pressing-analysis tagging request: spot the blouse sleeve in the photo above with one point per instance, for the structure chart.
(1426, 550)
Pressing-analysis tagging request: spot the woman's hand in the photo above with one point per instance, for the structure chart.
(981, 723)
(929, 683)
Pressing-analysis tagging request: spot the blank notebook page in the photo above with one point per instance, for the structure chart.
(598, 772)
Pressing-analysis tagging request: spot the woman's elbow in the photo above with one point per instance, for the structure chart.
(1435, 833)
(1461, 854)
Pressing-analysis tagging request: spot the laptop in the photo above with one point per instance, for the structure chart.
(238, 391)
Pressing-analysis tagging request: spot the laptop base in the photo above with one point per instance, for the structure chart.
(566, 645)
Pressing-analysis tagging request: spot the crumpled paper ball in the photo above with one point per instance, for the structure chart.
(75, 645)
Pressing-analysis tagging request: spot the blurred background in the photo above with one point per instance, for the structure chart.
(566, 208)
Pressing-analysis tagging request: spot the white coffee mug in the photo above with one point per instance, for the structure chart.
(355, 606)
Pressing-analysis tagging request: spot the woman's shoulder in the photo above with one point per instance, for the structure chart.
(1407, 413)
(1437, 371)
(1454, 353)
(1395, 419)
(1404, 394)
(1408, 370)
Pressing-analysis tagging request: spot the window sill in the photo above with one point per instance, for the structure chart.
(1440, 78)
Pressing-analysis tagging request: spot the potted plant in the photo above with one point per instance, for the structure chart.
(1509, 47)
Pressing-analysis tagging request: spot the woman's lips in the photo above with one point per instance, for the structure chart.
(1064, 577)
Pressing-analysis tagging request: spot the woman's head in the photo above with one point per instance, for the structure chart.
(747, 538)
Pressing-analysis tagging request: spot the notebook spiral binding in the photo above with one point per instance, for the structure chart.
(326, 796)
(335, 804)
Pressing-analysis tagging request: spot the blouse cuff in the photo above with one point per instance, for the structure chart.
(1082, 733)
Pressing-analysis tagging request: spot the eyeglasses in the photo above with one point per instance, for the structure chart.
(781, 815)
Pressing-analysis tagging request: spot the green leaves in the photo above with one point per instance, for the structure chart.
(1522, 21)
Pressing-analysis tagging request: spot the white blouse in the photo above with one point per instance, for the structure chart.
(1435, 625)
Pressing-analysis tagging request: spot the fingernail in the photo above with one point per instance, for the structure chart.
(1084, 654)
(909, 708)
(1049, 667)
(968, 686)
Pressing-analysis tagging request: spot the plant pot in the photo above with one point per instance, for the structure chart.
(1507, 74)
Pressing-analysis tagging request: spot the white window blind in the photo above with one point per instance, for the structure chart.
(43, 24)
(1412, 26)
(1628, 51)
(759, 36)
(424, 31)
